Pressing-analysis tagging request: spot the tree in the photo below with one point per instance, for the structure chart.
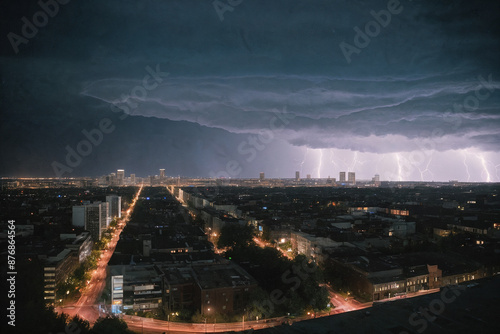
(235, 235)
(110, 325)
(79, 325)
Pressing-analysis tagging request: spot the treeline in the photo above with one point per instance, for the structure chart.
(286, 286)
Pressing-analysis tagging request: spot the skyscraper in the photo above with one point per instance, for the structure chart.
(351, 178)
(162, 174)
(112, 179)
(120, 176)
(262, 176)
(297, 176)
(342, 177)
(132, 179)
(115, 206)
(79, 215)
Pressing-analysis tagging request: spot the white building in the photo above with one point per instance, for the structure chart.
(115, 206)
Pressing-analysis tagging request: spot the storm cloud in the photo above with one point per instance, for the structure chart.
(426, 81)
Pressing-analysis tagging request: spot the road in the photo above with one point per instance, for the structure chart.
(342, 304)
(86, 306)
(146, 325)
(261, 243)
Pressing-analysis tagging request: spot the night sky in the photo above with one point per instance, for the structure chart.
(409, 90)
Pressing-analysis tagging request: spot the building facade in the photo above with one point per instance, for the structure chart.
(115, 206)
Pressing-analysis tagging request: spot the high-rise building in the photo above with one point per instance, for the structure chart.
(79, 215)
(94, 217)
(262, 176)
(120, 176)
(308, 176)
(112, 179)
(162, 174)
(132, 179)
(351, 178)
(297, 176)
(376, 180)
(115, 206)
(342, 177)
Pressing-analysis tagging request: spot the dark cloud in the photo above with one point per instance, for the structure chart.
(414, 82)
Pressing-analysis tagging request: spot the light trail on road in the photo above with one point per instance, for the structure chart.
(87, 305)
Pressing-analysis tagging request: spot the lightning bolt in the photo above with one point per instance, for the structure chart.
(332, 160)
(485, 167)
(426, 170)
(303, 160)
(400, 169)
(354, 161)
(320, 163)
(466, 166)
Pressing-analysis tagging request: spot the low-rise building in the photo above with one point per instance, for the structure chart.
(81, 244)
(56, 269)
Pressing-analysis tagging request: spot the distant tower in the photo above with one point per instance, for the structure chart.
(120, 176)
(262, 176)
(351, 178)
(162, 174)
(342, 177)
(297, 176)
(308, 176)
(376, 180)
(112, 179)
(132, 179)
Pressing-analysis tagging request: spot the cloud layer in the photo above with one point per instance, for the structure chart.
(427, 81)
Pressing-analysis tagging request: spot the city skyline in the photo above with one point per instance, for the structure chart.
(408, 90)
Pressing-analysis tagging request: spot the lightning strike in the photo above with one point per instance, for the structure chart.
(400, 169)
(426, 170)
(485, 167)
(303, 160)
(354, 162)
(332, 160)
(466, 166)
(320, 163)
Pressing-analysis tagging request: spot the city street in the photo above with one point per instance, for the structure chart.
(343, 305)
(87, 305)
(146, 325)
